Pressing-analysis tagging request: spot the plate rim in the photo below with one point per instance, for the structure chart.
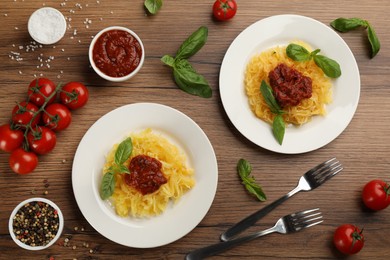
(225, 91)
(84, 193)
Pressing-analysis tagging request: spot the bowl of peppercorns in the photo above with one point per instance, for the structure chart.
(36, 224)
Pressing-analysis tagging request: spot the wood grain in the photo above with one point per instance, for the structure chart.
(363, 147)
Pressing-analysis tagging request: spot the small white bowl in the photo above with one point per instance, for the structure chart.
(60, 224)
(102, 74)
(47, 25)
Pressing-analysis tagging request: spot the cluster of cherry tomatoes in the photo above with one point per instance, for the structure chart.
(35, 121)
(348, 238)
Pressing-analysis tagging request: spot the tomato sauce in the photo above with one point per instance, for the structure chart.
(117, 53)
(145, 174)
(289, 85)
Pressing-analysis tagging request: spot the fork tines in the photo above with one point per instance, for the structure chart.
(305, 219)
(325, 170)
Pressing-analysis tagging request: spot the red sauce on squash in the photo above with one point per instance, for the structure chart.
(289, 85)
(117, 53)
(145, 174)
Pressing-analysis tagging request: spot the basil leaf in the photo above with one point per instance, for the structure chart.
(120, 169)
(266, 91)
(189, 80)
(297, 52)
(244, 168)
(153, 6)
(183, 83)
(347, 24)
(374, 41)
(107, 186)
(330, 67)
(184, 74)
(168, 60)
(256, 190)
(193, 43)
(278, 128)
(124, 169)
(315, 52)
(123, 151)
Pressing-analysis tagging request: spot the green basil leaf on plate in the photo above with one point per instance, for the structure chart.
(123, 151)
(278, 128)
(330, 67)
(269, 98)
(107, 186)
(297, 52)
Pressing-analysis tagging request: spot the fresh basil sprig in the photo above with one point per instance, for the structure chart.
(153, 6)
(278, 125)
(184, 73)
(299, 53)
(244, 170)
(348, 24)
(122, 153)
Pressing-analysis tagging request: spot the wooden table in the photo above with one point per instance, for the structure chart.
(362, 148)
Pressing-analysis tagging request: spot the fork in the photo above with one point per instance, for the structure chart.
(309, 181)
(285, 225)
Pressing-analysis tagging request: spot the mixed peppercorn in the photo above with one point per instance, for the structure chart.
(36, 223)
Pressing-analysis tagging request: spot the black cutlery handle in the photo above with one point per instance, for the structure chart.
(204, 252)
(251, 219)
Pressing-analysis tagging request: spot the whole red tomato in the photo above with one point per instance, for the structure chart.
(41, 140)
(348, 239)
(40, 89)
(25, 113)
(74, 95)
(22, 161)
(224, 9)
(10, 139)
(376, 195)
(57, 117)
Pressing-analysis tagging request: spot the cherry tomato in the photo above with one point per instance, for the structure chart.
(41, 140)
(376, 195)
(57, 117)
(40, 89)
(224, 9)
(348, 239)
(23, 114)
(74, 95)
(22, 161)
(10, 139)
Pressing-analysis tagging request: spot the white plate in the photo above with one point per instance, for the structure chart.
(281, 30)
(178, 219)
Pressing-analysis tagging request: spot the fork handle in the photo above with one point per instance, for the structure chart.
(203, 252)
(251, 219)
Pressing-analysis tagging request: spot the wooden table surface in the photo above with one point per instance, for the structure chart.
(363, 147)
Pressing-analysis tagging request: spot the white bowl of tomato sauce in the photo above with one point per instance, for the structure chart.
(116, 53)
(36, 224)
